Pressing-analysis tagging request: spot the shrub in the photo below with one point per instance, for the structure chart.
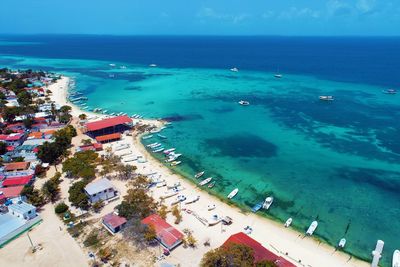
(61, 208)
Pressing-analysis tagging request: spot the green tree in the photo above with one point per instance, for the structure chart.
(150, 233)
(82, 164)
(77, 196)
(82, 116)
(266, 263)
(24, 98)
(125, 172)
(61, 208)
(33, 195)
(234, 255)
(51, 189)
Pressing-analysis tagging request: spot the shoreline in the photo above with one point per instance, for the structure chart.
(267, 231)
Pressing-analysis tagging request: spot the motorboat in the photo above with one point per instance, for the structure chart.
(214, 220)
(257, 207)
(153, 144)
(342, 243)
(192, 199)
(377, 253)
(162, 184)
(268, 202)
(205, 181)
(312, 228)
(153, 65)
(112, 65)
(244, 103)
(211, 207)
(198, 175)
(278, 75)
(174, 185)
(169, 193)
(234, 69)
(162, 136)
(167, 151)
(179, 198)
(211, 185)
(288, 222)
(233, 193)
(326, 98)
(390, 91)
(396, 258)
(175, 163)
(158, 150)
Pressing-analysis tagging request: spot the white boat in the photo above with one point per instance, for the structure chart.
(268, 202)
(162, 136)
(169, 193)
(192, 199)
(123, 67)
(288, 222)
(214, 220)
(158, 150)
(198, 175)
(234, 69)
(244, 103)
(174, 185)
(205, 181)
(112, 65)
(278, 75)
(162, 184)
(342, 243)
(153, 65)
(396, 258)
(178, 199)
(312, 228)
(153, 144)
(211, 207)
(326, 98)
(233, 193)
(377, 253)
(168, 151)
(174, 163)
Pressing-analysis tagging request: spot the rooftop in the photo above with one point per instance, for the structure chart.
(19, 180)
(98, 186)
(114, 220)
(108, 137)
(13, 166)
(110, 122)
(21, 207)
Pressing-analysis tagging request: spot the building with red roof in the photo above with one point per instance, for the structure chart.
(167, 235)
(17, 180)
(16, 166)
(93, 147)
(10, 192)
(260, 252)
(14, 139)
(113, 222)
(108, 126)
(108, 138)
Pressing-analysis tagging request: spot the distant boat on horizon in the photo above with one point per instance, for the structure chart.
(326, 98)
(390, 91)
(244, 102)
(153, 65)
(278, 75)
(234, 69)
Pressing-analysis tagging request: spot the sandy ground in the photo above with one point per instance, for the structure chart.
(286, 242)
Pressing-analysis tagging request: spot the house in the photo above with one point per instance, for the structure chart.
(17, 181)
(10, 192)
(113, 222)
(260, 252)
(108, 138)
(108, 126)
(16, 166)
(167, 235)
(22, 210)
(100, 190)
(14, 139)
(93, 147)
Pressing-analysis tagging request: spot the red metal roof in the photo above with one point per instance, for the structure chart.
(13, 166)
(11, 137)
(20, 180)
(10, 192)
(260, 252)
(97, 125)
(114, 220)
(168, 235)
(108, 137)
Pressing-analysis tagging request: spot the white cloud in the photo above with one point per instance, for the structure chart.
(211, 13)
(295, 12)
(366, 6)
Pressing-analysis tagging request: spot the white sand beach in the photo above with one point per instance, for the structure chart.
(274, 236)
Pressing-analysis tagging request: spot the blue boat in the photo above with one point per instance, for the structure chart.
(257, 207)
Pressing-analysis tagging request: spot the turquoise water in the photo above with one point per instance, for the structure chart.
(337, 162)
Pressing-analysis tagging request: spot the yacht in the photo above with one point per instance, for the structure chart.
(326, 98)
(312, 228)
(205, 181)
(396, 258)
(244, 103)
(234, 69)
(342, 243)
(233, 193)
(390, 91)
(268, 202)
(288, 222)
(198, 175)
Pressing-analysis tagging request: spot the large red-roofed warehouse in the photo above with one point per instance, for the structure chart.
(108, 126)
(167, 235)
(260, 252)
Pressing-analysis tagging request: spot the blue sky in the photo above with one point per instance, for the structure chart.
(213, 17)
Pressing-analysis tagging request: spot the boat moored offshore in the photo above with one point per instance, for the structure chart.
(233, 193)
(268, 202)
(312, 228)
(244, 103)
(342, 243)
(205, 181)
(288, 222)
(199, 174)
(396, 258)
(326, 98)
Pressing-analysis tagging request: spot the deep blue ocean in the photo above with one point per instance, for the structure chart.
(337, 162)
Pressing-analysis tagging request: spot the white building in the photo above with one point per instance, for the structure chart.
(22, 210)
(99, 190)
